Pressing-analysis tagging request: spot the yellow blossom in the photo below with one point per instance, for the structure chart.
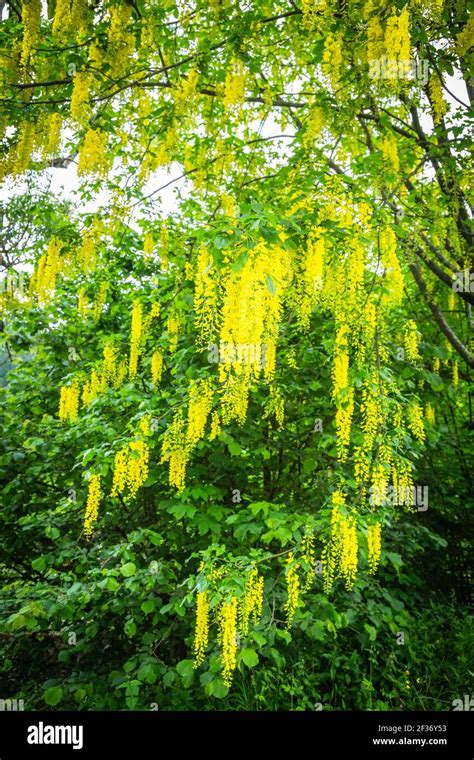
(201, 634)
(292, 588)
(156, 367)
(374, 542)
(80, 106)
(228, 638)
(92, 505)
(135, 338)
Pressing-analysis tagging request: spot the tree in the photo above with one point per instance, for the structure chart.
(268, 341)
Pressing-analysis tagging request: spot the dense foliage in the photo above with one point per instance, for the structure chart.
(237, 399)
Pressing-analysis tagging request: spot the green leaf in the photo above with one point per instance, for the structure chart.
(53, 695)
(130, 627)
(128, 569)
(250, 657)
(39, 564)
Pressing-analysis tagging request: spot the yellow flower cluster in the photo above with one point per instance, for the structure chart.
(349, 550)
(354, 294)
(410, 341)
(185, 94)
(53, 131)
(340, 554)
(109, 364)
(374, 542)
(90, 239)
(92, 505)
(397, 37)
(310, 280)
(375, 39)
(148, 244)
(332, 58)
(371, 412)
(80, 105)
(61, 27)
(415, 422)
(96, 385)
(402, 481)
(92, 157)
(99, 300)
(173, 324)
(308, 557)
(228, 638)
(69, 402)
(175, 451)
(234, 86)
(430, 414)
(275, 405)
(31, 18)
(80, 17)
(465, 38)
(312, 10)
(130, 468)
(455, 373)
(341, 362)
(252, 306)
(205, 297)
(200, 402)
(43, 281)
(438, 103)
(136, 331)
(379, 483)
(342, 393)
(121, 40)
(156, 367)
(252, 601)
(201, 633)
(235, 399)
(389, 150)
(292, 587)
(24, 147)
(314, 126)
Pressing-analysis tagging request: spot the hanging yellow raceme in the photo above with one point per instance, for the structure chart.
(292, 588)
(234, 86)
(374, 542)
(156, 367)
(80, 99)
(308, 557)
(199, 407)
(175, 450)
(135, 338)
(228, 638)
(43, 281)
(410, 341)
(252, 600)
(131, 467)
(92, 153)
(31, 18)
(69, 402)
(332, 58)
(201, 633)
(92, 505)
